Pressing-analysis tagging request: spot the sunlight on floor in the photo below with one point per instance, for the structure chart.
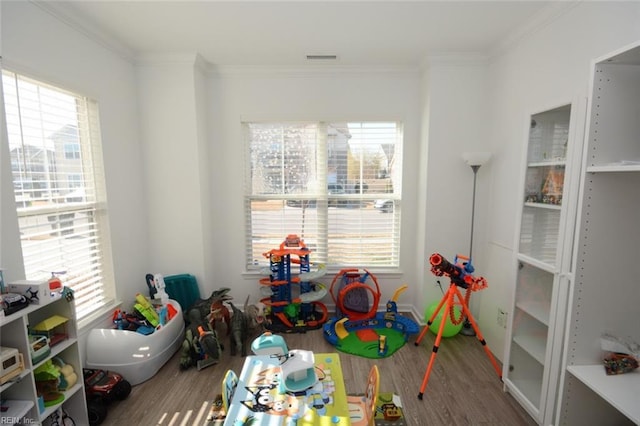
(178, 419)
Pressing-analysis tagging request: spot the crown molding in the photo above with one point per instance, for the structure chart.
(65, 13)
(538, 21)
(453, 58)
(313, 70)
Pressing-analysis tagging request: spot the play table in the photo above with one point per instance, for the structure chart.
(260, 400)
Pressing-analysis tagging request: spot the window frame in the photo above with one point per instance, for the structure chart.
(83, 216)
(322, 200)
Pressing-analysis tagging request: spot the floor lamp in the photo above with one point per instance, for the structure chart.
(474, 160)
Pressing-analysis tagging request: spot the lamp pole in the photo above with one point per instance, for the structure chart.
(475, 160)
(473, 207)
(466, 329)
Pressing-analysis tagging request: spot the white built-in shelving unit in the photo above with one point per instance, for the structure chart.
(19, 395)
(542, 261)
(606, 295)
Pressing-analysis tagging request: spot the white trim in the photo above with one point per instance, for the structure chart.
(538, 22)
(68, 15)
(312, 70)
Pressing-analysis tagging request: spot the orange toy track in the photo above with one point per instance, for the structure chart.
(339, 300)
(325, 315)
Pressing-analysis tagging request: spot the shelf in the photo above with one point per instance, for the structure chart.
(534, 345)
(548, 267)
(604, 299)
(621, 391)
(543, 206)
(14, 333)
(57, 349)
(544, 232)
(17, 410)
(537, 309)
(4, 320)
(550, 163)
(67, 395)
(614, 168)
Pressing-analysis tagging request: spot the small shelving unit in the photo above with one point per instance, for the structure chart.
(20, 394)
(542, 262)
(605, 298)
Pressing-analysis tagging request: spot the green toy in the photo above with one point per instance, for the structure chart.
(450, 329)
(47, 378)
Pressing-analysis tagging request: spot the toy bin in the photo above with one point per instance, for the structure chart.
(137, 357)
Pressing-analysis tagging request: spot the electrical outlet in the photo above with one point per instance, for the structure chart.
(502, 318)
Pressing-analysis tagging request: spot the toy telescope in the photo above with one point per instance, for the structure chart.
(458, 273)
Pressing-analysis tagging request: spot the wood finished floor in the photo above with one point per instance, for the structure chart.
(463, 387)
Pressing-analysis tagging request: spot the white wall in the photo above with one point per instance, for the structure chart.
(37, 44)
(458, 122)
(543, 70)
(177, 165)
(237, 95)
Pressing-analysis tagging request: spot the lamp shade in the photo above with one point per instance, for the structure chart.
(476, 158)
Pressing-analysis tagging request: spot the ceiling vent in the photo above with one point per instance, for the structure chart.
(322, 57)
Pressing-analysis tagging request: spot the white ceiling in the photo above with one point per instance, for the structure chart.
(282, 33)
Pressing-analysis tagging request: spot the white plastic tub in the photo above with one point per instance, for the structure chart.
(135, 356)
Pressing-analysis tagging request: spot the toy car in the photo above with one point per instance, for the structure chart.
(12, 302)
(102, 387)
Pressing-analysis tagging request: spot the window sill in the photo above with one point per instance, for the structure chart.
(387, 273)
(97, 319)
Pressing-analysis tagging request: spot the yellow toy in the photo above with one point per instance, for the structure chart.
(67, 377)
(146, 309)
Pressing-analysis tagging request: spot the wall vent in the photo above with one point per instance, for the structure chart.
(322, 57)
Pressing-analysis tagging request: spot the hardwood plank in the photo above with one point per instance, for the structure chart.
(463, 387)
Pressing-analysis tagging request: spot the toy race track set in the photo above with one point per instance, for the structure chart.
(289, 312)
(359, 328)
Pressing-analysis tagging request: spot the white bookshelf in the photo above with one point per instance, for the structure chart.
(20, 393)
(605, 297)
(549, 194)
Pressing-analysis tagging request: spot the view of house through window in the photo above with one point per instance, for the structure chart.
(58, 180)
(335, 185)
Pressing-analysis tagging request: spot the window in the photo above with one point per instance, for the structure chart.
(337, 186)
(58, 181)
(72, 150)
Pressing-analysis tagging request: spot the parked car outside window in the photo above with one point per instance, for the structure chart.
(384, 205)
(332, 189)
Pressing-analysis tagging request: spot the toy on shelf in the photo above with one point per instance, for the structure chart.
(621, 355)
(47, 378)
(359, 328)
(54, 328)
(12, 302)
(39, 348)
(12, 364)
(55, 283)
(67, 376)
(288, 311)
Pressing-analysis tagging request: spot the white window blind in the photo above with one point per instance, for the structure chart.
(58, 179)
(335, 185)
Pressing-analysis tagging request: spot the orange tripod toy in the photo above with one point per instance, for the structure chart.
(459, 278)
